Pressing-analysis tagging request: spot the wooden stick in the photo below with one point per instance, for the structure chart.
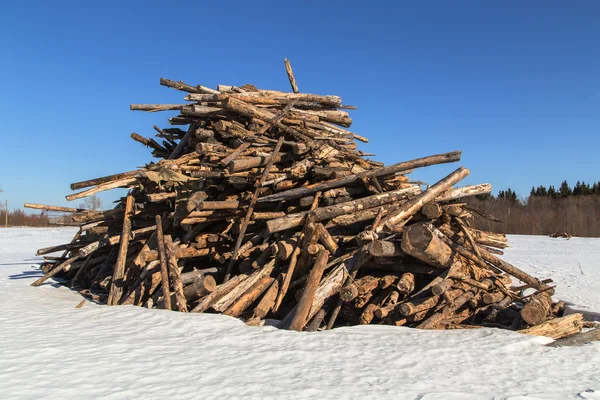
(116, 287)
(164, 270)
(175, 274)
(241, 304)
(390, 170)
(236, 153)
(290, 74)
(246, 221)
(316, 273)
(407, 210)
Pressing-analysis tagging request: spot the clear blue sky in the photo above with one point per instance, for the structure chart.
(514, 84)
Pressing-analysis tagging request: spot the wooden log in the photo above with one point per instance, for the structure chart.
(359, 287)
(336, 183)
(578, 339)
(418, 305)
(514, 271)
(164, 269)
(56, 270)
(246, 220)
(323, 213)
(121, 183)
(266, 303)
(538, 309)
(179, 86)
(201, 286)
(290, 74)
(221, 290)
(174, 274)
(368, 314)
(327, 288)
(431, 210)
(381, 248)
(300, 317)
(420, 242)
(246, 299)
(316, 321)
(407, 210)
(235, 154)
(307, 232)
(557, 328)
(465, 191)
(104, 179)
(117, 284)
(54, 208)
(441, 287)
(155, 107)
(223, 303)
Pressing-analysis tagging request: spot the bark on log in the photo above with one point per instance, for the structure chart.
(538, 309)
(174, 274)
(116, 287)
(299, 319)
(323, 213)
(407, 210)
(557, 328)
(246, 299)
(336, 183)
(218, 293)
(420, 242)
(164, 269)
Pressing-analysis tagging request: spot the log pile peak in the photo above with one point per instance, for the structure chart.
(261, 206)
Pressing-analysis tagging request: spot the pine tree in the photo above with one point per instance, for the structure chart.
(577, 189)
(552, 192)
(565, 189)
(533, 192)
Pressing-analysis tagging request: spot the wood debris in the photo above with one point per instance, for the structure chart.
(261, 206)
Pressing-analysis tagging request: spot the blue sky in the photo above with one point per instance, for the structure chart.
(514, 84)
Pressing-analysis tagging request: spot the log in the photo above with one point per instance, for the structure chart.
(221, 290)
(117, 284)
(224, 302)
(465, 191)
(266, 303)
(164, 269)
(578, 339)
(174, 274)
(203, 285)
(538, 309)
(246, 299)
(420, 242)
(324, 213)
(557, 328)
(290, 73)
(336, 183)
(299, 319)
(407, 210)
(327, 288)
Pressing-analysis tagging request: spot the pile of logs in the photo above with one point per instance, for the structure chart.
(263, 208)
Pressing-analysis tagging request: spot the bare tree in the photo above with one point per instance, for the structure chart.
(92, 203)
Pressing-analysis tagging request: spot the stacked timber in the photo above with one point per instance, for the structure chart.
(261, 207)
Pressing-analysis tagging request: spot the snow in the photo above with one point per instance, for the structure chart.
(50, 349)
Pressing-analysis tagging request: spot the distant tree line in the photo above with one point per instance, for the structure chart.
(575, 210)
(564, 190)
(21, 218)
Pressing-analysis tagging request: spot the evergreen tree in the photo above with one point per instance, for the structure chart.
(533, 192)
(577, 189)
(552, 192)
(541, 191)
(565, 189)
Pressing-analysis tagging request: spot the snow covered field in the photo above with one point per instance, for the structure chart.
(50, 349)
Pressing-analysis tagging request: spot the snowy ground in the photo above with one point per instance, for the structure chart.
(50, 349)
